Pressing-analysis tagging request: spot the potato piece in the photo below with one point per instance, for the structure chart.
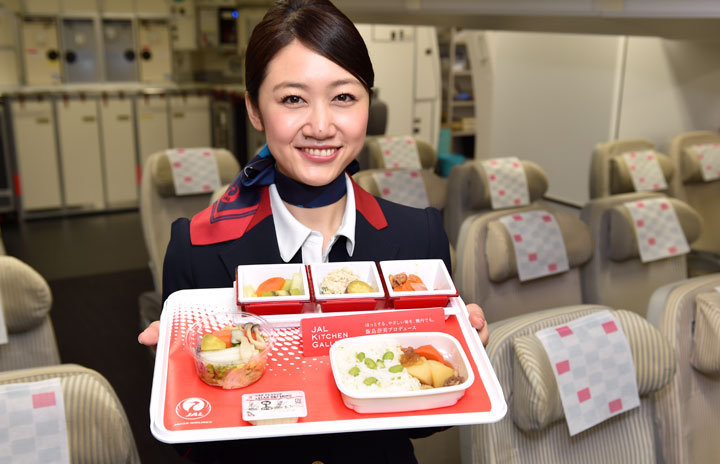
(421, 371)
(440, 373)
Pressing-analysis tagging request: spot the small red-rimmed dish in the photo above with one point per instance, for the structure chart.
(292, 299)
(366, 387)
(436, 285)
(347, 286)
(230, 350)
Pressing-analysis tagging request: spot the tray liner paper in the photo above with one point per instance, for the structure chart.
(190, 404)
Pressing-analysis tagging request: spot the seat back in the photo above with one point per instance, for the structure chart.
(688, 185)
(616, 276)
(373, 157)
(26, 302)
(610, 174)
(97, 426)
(687, 313)
(435, 186)
(468, 193)
(486, 272)
(534, 429)
(160, 205)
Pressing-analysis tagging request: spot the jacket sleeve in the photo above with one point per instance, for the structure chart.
(177, 266)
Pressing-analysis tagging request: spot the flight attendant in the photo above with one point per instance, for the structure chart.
(308, 77)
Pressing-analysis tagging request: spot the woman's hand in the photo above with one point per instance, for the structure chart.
(477, 319)
(151, 335)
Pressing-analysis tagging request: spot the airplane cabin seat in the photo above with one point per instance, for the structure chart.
(616, 276)
(487, 272)
(160, 206)
(691, 187)
(468, 193)
(26, 302)
(534, 429)
(610, 174)
(97, 425)
(687, 410)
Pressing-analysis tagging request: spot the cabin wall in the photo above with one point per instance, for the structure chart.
(555, 96)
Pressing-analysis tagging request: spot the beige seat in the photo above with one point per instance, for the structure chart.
(435, 186)
(688, 186)
(534, 430)
(97, 426)
(468, 193)
(371, 157)
(486, 272)
(616, 276)
(687, 313)
(26, 302)
(160, 206)
(610, 175)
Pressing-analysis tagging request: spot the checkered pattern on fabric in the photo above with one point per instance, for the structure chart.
(98, 430)
(403, 186)
(594, 369)
(32, 423)
(645, 170)
(507, 182)
(539, 245)
(658, 231)
(194, 170)
(708, 155)
(399, 152)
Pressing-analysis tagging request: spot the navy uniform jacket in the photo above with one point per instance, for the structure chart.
(410, 234)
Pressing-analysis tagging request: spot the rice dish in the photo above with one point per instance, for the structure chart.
(367, 367)
(336, 281)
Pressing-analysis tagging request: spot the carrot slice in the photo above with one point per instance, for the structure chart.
(418, 286)
(273, 284)
(406, 287)
(430, 352)
(225, 335)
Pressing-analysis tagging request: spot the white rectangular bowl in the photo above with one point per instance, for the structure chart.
(255, 274)
(367, 270)
(381, 402)
(433, 273)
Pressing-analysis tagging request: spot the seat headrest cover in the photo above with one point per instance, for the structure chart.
(162, 174)
(26, 296)
(500, 252)
(536, 400)
(692, 167)
(621, 239)
(621, 177)
(705, 354)
(537, 182)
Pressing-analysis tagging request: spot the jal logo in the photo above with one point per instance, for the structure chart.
(193, 408)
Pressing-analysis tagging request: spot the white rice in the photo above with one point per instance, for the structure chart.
(336, 281)
(346, 359)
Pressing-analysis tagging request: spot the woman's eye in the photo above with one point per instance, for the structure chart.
(345, 98)
(292, 100)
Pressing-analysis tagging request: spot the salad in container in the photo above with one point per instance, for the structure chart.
(230, 350)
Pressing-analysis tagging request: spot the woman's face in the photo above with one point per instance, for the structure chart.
(314, 114)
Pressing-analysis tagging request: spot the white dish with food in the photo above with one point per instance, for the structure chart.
(433, 274)
(343, 280)
(373, 378)
(251, 277)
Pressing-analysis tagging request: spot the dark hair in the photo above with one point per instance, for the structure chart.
(318, 25)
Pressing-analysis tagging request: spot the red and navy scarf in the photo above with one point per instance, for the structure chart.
(246, 202)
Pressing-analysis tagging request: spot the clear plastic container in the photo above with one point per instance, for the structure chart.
(239, 365)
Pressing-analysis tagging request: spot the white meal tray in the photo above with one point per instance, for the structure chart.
(184, 409)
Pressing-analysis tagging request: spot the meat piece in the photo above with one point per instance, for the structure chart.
(397, 280)
(453, 380)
